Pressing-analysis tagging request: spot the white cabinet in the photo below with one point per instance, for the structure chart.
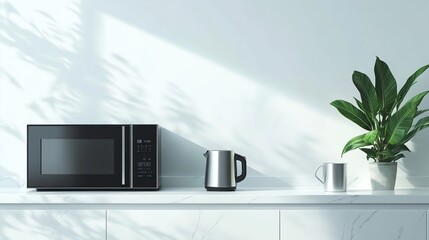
(193, 224)
(353, 224)
(52, 224)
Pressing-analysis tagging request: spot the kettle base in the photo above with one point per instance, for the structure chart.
(220, 188)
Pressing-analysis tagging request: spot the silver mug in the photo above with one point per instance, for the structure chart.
(334, 177)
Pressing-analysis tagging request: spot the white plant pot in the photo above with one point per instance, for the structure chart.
(383, 175)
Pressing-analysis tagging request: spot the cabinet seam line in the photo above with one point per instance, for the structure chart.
(280, 226)
(105, 225)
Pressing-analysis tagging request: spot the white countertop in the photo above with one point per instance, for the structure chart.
(183, 196)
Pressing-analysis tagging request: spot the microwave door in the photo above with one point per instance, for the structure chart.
(77, 156)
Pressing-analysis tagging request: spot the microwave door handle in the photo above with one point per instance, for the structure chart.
(123, 155)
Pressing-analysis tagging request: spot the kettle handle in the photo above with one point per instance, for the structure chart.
(242, 159)
(315, 174)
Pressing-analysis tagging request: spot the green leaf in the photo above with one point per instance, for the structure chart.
(400, 123)
(393, 159)
(386, 154)
(370, 136)
(385, 86)
(400, 148)
(409, 135)
(360, 141)
(370, 152)
(419, 112)
(359, 103)
(352, 113)
(411, 80)
(417, 99)
(370, 119)
(367, 93)
(420, 125)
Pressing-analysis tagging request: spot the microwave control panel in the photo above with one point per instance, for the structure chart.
(145, 156)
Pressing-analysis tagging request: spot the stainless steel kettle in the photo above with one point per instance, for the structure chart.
(221, 170)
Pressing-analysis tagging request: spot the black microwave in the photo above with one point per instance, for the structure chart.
(93, 157)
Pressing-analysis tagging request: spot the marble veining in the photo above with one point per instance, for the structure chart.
(255, 199)
(213, 226)
(353, 230)
(182, 200)
(198, 224)
(401, 229)
(346, 199)
(367, 219)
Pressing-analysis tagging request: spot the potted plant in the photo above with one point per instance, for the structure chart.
(390, 123)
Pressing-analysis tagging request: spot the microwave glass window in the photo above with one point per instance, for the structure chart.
(77, 156)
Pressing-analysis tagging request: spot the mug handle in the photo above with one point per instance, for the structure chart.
(242, 159)
(315, 174)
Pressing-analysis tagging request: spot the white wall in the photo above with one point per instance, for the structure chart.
(253, 76)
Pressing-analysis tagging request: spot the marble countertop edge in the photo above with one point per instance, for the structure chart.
(178, 196)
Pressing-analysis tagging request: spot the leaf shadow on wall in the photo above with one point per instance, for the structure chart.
(75, 85)
(83, 89)
(9, 179)
(37, 48)
(128, 102)
(180, 110)
(12, 130)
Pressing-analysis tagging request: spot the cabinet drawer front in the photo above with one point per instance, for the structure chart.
(52, 224)
(193, 224)
(353, 224)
